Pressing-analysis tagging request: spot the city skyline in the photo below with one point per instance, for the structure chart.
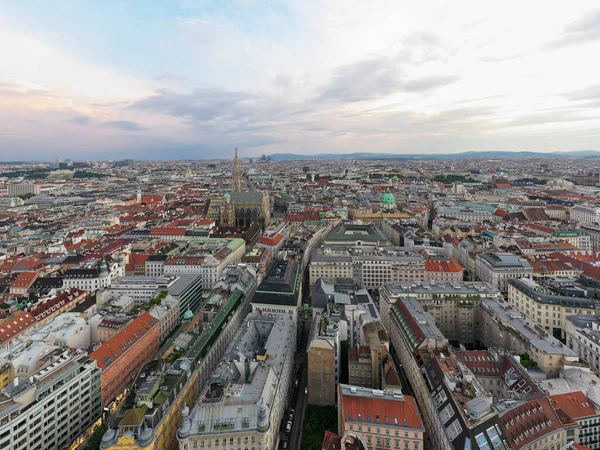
(196, 79)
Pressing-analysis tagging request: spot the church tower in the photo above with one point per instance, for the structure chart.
(237, 175)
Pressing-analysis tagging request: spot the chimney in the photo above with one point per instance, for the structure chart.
(16, 381)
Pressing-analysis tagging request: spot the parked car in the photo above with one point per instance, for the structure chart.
(288, 427)
(306, 390)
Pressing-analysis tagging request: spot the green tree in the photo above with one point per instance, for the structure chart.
(96, 436)
(320, 419)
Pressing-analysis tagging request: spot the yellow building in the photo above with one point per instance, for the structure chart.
(545, 307)
(5, 374)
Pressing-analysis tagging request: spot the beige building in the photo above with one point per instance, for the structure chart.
(541, 304)
(323, 361)
(381, 419)
(452, 306)
(501, 326)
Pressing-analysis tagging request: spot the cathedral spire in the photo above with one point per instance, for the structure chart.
(237, 174)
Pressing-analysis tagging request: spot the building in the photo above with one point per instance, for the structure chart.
(156, 416)
(593, 231)
(380, 419)
(244, 401)
(140, 288)
(585, 214)
(94, 275)
(188, 291)
(542, 302)
(168, 315)
(281, 290)
(54, 406)
(241, 208)
(583, 336)
(324, 355)
(498, 268)
(375, 266)
(17, 189)
(452, 305)
(580, 410)
(350, 305)
(123, 355)
(499, 325)
(349, 234)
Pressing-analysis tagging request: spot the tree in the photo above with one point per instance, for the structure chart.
(96, 436)
(305, 169)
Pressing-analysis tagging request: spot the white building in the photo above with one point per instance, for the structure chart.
(54, 406)
(95, 275)
(14, 190)
(498, 268)
(244, 401)
(585, 214)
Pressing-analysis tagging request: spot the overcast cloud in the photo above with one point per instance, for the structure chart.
(198, 78)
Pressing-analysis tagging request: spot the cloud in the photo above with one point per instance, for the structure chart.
(125, 125)
(547, 118)
(429, 82)
(585, 29)
(82, 120)
(363, 80)
(587, 93)
(377, 78)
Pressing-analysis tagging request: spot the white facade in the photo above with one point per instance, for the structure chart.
(14, 190)
(54, 406)
(245, 400)
(585, 214)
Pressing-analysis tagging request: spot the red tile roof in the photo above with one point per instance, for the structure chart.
(166, 231)
(56, 303)
(443, 266)
(270, 241)
(575, 404)
(529, 422)
(24, 280)
(12, 327)
(382, 407)
(121, 342)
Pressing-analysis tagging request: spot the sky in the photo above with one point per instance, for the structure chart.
(193, 79)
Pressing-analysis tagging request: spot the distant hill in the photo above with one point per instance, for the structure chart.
(463, 155)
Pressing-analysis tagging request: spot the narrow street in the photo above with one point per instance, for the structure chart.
(294, 439)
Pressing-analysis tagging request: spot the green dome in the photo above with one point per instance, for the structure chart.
(395, 178)
(388, 199)
(227, 195)
(188, 315)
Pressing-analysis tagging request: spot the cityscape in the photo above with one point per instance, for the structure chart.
(299, 225)
(265, 303)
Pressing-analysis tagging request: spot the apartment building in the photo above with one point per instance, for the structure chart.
(373, 267)
(499, 325)
(17, 189)
(245, 400)
(156, 417)
(583, 336)
(585, 214)
(94, 275)
(498, 268)
(452, 305)
(122, 356)
(324, 361)
(187, 289)
(54, 406)
(380, 419)
(582, 412)
(542, 302)
(281, 291)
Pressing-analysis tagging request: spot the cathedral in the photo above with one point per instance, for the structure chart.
(239, 208)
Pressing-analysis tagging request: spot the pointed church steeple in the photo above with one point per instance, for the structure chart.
(237, 174)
